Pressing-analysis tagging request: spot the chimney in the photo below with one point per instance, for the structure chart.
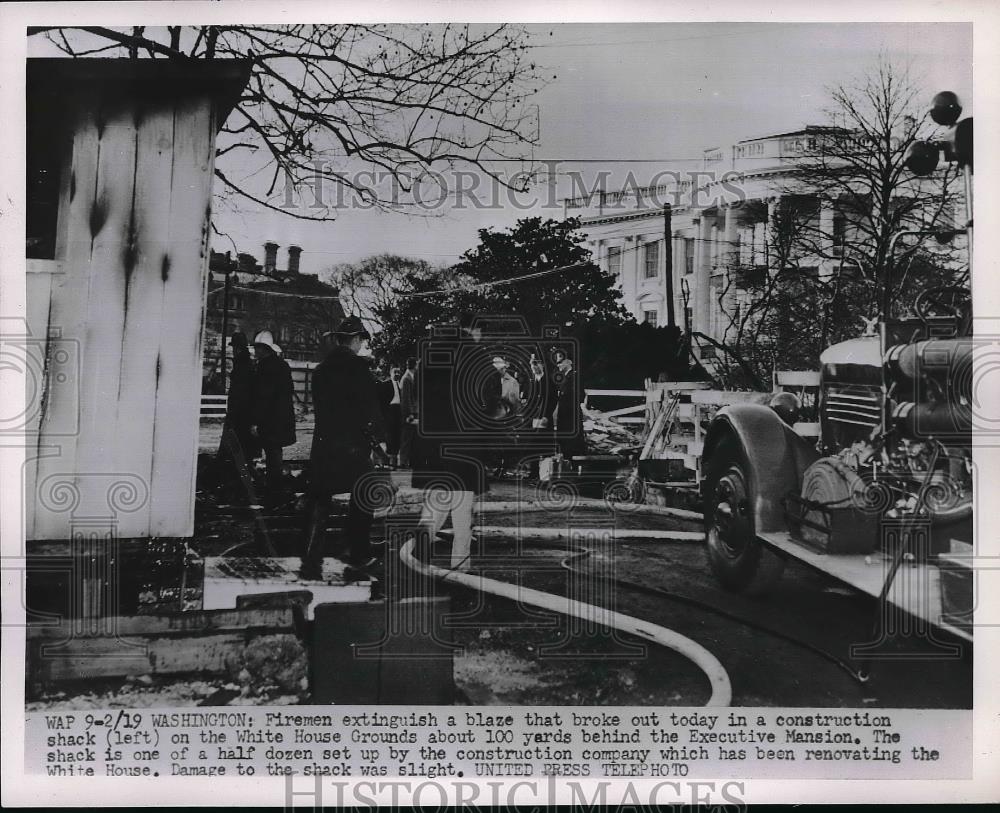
(246, 263)
(270, 257)
(294, 252)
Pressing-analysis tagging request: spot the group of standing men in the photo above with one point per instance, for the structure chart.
(260, 411)
(443, 420)
(398, 398)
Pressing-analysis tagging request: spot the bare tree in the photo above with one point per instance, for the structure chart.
(857, 165)
(371, 287)
(827, 259)
(335, 114)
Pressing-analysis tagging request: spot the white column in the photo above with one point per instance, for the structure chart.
(630, 274)
(771, 234)
(730, 235)
(678, 249)
(826, 263)
(703, 272)
(732, 258)
(826, 211)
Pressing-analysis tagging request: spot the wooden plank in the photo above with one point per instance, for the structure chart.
(38, 294)
(170, 656)
(682, 386)
(188, 623)
(178, 388)
(110, 222)
(654, 433)
(796, 378)
(34, 266)
(83, 659)
(614, 413)
(618, 393)
(60, 420)
(73, 665)
(690, 461)
(144, 307)
(213, 406)
(726, 397)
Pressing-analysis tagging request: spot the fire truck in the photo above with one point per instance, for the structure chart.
(883, 501)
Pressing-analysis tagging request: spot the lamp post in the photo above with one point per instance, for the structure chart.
(225, 315)
(922, 156)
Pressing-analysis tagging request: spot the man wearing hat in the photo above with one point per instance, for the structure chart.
(238, 443)
(349, 424)
(273, 411)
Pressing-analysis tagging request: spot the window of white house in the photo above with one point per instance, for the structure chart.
(652, 256)
(615, 260)
(688, 256)
(839, 232)
(746, 245)
(649, 317)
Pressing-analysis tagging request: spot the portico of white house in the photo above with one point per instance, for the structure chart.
(707, 242)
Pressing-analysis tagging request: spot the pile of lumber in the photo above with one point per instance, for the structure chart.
(605, 436)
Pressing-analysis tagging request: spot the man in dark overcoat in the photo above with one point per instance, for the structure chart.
(349, 424)
(389, 395)
(238, 446)
(569, 418)
(458, 400)
(273, 411)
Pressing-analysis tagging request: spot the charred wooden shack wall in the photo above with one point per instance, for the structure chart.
(119, 306)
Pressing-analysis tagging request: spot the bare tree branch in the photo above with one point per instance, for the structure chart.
(355, 112)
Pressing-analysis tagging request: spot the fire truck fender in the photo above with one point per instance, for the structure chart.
(774, 457)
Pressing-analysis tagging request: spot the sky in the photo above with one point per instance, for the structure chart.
(655, 95)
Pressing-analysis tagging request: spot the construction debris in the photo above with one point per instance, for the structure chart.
(604, 435)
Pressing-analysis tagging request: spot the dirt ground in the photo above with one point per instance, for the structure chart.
(791, 648)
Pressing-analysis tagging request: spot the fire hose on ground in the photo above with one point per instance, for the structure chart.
(544, 537)
(718, 678)
(550, 535)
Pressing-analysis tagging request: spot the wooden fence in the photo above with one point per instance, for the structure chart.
(677, 411)
(628, 414)
(214, 406)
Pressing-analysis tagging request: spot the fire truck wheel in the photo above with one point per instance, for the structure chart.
(737, 558)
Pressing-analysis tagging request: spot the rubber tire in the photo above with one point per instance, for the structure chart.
(738, 559)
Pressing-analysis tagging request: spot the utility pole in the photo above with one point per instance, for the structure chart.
(668, 247)
(225, 316)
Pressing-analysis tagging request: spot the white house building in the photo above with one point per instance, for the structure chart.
(719, 221)
(712, 227)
